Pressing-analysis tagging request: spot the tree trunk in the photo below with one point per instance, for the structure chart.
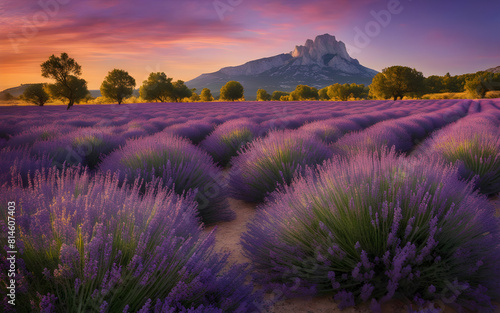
(70, 104)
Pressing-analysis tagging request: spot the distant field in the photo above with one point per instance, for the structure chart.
(130, 206)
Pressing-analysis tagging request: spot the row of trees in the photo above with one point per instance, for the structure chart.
(393, 82)
(117, 86)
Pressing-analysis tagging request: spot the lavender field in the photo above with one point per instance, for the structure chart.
(117, 207)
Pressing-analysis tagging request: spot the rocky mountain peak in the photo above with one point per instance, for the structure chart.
(321, 51)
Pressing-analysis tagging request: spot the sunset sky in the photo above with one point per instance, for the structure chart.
(187, 38)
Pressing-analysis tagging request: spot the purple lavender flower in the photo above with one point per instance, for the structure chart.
(227, 139)
(429, 215)
(180, 165)
(276, 159)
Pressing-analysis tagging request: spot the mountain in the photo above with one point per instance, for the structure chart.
(318, 63)
(494, 70)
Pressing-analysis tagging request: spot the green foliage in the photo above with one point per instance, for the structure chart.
(277, 95)
(262, 95)
(339, 92)
(35, 94)
(304, 92)
(206, 95)
(7, 96)
(118, 85)
(60, 68)
(73, 89)
(65, 71)
(231, 91)
(457, 84)
(181, 91)
(476, 87)
(194, 96)
(396, 82)
(323, 94)
(158, 87)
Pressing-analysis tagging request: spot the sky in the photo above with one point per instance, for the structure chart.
(187, 38)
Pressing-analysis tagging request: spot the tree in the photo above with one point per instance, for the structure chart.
(194, 96)
(65, 71)
(323, 94)
(206, 95)
(158, 87)
(73, 89)
(396, 82)
(118, 85)
(476, 87)
(35, 94)
(262, 95)
(181, 91)
(231, 91)
(304, 92)
(339, 92)
(276, 96)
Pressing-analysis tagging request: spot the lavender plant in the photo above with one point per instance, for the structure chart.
(83, 146)
(182, 167)
(331, 130)
(475, 143)
(18, 164)
(37, 134)
(227, 139)
(88, 245)
(376, 227)
(276, 159)
(194, 130)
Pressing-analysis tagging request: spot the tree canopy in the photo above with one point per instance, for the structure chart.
(74, 89)
(36, 94)
(206, 95)
(232, 91)
(158, 87)
(118, 85)
(276, 96)
(396, 82)
(181, 91)
(304, 92)
(65, 71)
(262, 95)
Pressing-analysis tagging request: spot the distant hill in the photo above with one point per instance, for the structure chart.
(494, 70)
(318, 63)
(15, 91)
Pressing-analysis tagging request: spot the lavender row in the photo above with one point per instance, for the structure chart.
(106, 248)
(403, 133)
(473, 143)
(376, 227)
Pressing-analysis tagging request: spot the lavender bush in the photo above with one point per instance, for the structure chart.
(88, 245)
(475, 143)
(83, 146)
(19, 163)
(331, 130)
(376, 227)
(194, 130)
(182, 167)
(276, 159)
(37, 134)
(227, 139)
